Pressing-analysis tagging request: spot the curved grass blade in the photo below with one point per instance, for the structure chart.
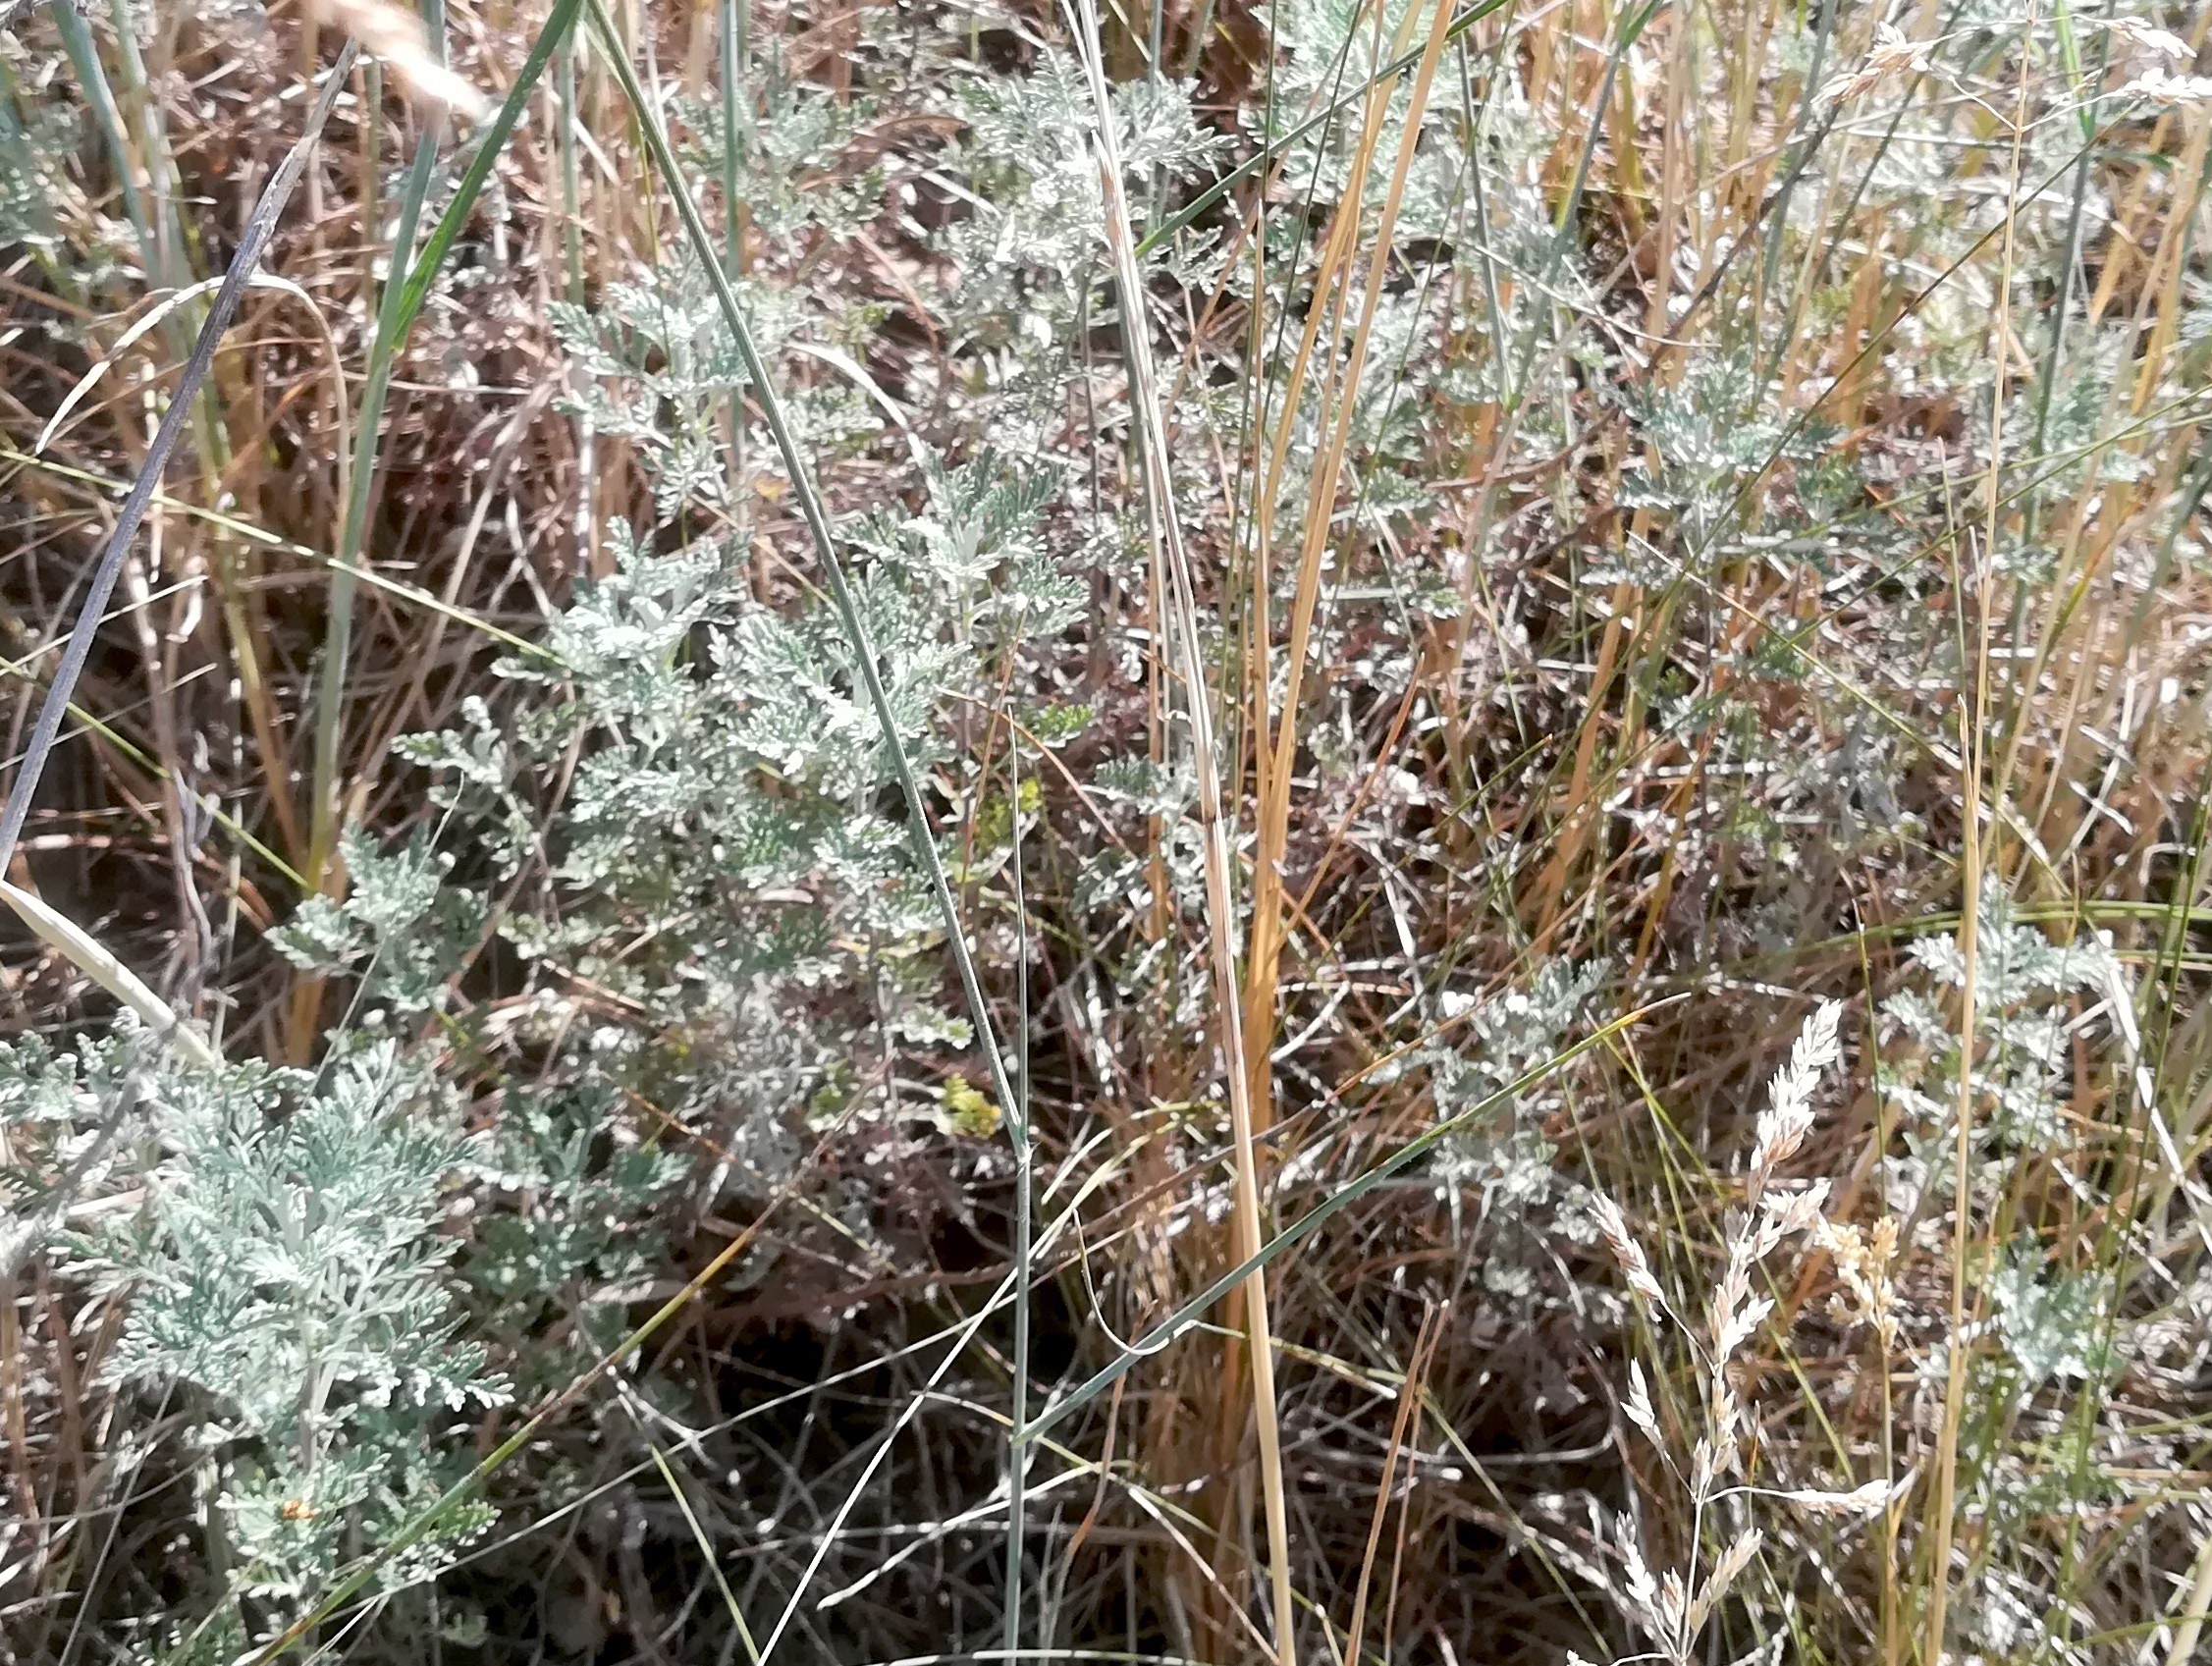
(864, 651)
(91, 956)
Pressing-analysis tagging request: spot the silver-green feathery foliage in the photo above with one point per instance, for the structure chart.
(278, 1243)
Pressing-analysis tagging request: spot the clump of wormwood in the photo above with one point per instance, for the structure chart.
(675, 813)
(289, 1294)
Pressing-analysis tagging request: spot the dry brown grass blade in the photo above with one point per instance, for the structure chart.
(1263, 943)
(1577, 816)
(1410, 1397)
(89, 956)
(1326, 307)
(1972, 860)
(1178, 611)
(1267, 935)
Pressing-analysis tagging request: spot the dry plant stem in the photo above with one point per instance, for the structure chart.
(1263, 939)
(1335, 254)
(1409, 1400)
(1972, 715)
(183, 398)
(1267, 937)
(1178, 611)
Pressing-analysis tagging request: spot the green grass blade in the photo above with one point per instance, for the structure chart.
(402, 302)
(706, 1550)
(864, 649)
